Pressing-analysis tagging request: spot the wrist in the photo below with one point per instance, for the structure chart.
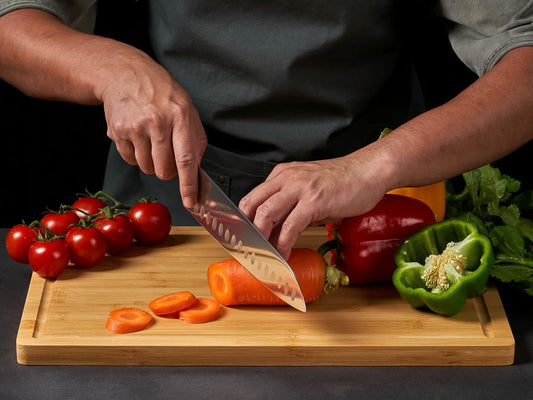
(116, 64)
(381, 166)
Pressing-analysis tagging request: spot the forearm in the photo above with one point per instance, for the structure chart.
(45, 58)
(487, 121)
(149, 116)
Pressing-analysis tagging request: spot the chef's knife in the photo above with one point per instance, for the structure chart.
(234, 231)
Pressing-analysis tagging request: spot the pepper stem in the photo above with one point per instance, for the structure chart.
(335, 278)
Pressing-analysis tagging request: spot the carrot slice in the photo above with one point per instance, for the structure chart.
(174, 315)
(172, 303)
(231, 284)
(204, 310)
(127, 320)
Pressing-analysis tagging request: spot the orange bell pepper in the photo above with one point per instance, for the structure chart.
(433, 195)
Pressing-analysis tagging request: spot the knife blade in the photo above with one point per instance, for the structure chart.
(239, 236)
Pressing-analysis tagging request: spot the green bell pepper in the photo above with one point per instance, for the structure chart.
(442, 265)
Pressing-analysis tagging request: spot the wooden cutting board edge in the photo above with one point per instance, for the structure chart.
(498, 349)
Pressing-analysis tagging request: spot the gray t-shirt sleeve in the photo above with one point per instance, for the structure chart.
(481, 32)
(79, 14)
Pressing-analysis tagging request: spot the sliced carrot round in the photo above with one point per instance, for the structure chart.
(174, 315)
(172, 303)
(127, 320)
(204, 310)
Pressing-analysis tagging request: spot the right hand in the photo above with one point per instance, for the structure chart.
(153, 123)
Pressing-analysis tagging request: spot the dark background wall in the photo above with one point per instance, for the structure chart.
(51, 151)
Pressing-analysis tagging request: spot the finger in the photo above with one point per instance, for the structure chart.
(143, 154)
(163, 156)
(186, 138)
(126, 151)
(200, 138)
(275, 182)
(258, 196)
(282, 168)
(274, 235)
(274, 211)
(132, 137)
(295, 223)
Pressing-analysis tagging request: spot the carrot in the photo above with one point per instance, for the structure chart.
(127, 320)
(174, 315)
(204, 310)
(231, 284)
(172, 303)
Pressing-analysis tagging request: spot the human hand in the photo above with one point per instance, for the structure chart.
(299, 194)
(154, 124)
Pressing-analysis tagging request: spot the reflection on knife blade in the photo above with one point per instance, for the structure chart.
(226, 223)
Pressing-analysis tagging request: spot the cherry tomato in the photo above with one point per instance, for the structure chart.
(89, 205)
(87, 246)
(49, 258)
(152, 222)
(61, 222)
(118, 232)
(18, 242)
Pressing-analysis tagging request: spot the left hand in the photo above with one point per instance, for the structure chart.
(482, 117)
(299, 194)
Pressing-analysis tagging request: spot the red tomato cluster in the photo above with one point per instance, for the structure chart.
(84, 232)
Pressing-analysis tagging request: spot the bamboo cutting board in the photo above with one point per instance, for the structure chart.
(63, 319)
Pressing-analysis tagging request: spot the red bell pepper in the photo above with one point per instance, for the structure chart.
(365, 245)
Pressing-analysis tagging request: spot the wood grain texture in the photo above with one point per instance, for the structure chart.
(63, 319)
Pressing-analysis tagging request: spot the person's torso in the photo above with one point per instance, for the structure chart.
(285, 80)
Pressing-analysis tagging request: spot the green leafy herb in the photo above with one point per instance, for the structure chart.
(491, 200)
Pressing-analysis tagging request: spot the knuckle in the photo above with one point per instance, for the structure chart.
(297, 221)
(122, 130)
(286, 167)
(290, 227)
(263, 212)
(278, 170)
(202, 142)
(116, 129)
(181, 111)
(185, 160)
(151, 119)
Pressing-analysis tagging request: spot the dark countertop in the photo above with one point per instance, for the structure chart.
(147, 382)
